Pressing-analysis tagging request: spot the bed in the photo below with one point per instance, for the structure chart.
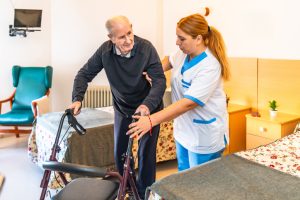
(165, 149)
(268, 172)
(97, 143)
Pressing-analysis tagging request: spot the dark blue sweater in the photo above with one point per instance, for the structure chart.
(128, 85)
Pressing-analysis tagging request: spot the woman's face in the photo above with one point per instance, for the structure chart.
(188, 44)
(185, 42)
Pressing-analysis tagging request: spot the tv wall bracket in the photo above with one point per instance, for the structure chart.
(20, 31)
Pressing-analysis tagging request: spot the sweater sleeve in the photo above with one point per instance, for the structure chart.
(85, 75)
(155, 72)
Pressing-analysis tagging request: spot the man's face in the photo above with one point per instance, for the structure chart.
(122, 36)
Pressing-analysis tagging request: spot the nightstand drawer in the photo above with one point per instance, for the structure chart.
(264, 129)
(254, 141)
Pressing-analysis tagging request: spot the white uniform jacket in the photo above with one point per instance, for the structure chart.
(203, 129)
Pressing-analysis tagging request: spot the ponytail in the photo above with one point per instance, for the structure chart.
(195, 25)
(215, 43)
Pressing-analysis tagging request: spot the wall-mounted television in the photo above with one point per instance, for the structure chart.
(27, 18)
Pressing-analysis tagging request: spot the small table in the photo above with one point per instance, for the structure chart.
(237, 128)
(264, 130)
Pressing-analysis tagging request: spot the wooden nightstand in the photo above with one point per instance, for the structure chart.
(237, 128)
(263, 130)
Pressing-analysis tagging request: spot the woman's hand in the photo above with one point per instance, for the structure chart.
(147, 77)
(139, 128)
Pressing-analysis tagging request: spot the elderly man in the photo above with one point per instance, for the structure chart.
(125, 57)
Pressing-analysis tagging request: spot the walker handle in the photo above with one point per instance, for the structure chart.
(74, 123)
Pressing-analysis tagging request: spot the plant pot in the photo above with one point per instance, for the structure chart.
(273, 113)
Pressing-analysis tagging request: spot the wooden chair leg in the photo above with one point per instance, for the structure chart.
(17, 132)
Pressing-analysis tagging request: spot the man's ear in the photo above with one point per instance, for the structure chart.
(110, 36)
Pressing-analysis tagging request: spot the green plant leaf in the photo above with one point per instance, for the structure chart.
(273, 105)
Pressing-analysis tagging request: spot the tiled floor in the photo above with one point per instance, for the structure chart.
(22, 177)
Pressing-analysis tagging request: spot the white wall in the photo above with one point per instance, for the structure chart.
(34, 50)
(78, 29)
(256, 28)
(70, 34)
(73, 30)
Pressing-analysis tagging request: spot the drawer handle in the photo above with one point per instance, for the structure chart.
(262, 129)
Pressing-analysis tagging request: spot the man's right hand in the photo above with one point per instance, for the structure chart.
(76, 106)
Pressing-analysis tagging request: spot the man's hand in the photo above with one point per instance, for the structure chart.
(76, 106)
(143, 110)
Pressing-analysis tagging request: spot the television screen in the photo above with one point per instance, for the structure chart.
(27, 18)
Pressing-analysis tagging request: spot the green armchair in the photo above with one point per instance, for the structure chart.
(31, 83)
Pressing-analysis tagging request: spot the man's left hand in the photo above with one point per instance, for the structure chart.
(143, 110)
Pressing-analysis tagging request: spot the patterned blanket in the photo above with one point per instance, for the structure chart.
(282, 155)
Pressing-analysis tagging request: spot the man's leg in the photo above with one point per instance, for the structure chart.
(147, 160)
(121, 124)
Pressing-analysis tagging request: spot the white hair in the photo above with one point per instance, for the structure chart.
(110, 23)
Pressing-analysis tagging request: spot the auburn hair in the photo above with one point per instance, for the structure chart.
(195, 25)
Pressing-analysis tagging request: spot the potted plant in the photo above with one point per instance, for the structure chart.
(273, 108)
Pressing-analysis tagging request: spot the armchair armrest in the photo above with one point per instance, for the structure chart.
(9, 99)
(40, 106)
(167, 97)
